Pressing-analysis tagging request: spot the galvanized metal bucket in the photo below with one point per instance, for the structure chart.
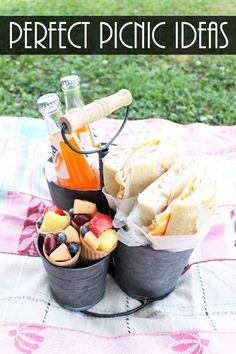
(76, 289)
(64, 197)
(145, 273)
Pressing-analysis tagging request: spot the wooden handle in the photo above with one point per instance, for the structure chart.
(78, 117)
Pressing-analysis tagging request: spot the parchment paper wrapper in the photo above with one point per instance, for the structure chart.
(67, 264)
(124, 205)
(57, 231)
(132, 234)
(89, 255)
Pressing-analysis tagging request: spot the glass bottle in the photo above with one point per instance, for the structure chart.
(73, 99)
(71, 88)
(72, 169)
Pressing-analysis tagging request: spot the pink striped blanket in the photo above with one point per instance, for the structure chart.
(198, 317)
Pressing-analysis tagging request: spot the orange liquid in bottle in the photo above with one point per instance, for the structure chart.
(86, 137)
(80, 175)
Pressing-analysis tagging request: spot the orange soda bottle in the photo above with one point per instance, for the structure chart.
(72, 170)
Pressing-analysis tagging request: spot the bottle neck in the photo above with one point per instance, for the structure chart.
(73, 98)
(52, 120)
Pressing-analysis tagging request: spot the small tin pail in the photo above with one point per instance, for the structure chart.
(78, 288)
(145, 273)
(64, 197)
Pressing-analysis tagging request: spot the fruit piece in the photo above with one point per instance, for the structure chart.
(107, 240)
(71, 212)
(84, 207)
(59, 211)
(53, 208)
(61, 237)
(53, 222)
(39, 222)
(99, 223)
(61, 253)
(50, 243)
(71, 234)
(91, 240)
(73, 247)
(81, 219)
(84, 229)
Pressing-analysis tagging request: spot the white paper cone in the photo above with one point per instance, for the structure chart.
(132, 234)
(177, 243)
(124, 205)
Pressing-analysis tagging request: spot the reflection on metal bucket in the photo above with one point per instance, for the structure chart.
(144, 273)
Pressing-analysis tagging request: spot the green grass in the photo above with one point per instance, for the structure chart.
(183, 89)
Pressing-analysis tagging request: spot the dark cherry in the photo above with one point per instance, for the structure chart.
(81, 219)
(50, 243)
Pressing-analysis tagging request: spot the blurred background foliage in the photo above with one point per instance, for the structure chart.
(180, 88)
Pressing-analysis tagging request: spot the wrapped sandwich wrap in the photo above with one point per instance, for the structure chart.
(173, 213)
(129, 170)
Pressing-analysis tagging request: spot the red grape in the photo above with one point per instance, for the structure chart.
(81, 219)
(50, 243)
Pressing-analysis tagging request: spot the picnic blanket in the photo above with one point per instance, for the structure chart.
(198, 317)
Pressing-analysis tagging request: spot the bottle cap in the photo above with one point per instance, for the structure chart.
(69, 82)
(48, 103)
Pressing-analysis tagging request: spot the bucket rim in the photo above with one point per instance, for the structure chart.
(153, 249)
(64, 268)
